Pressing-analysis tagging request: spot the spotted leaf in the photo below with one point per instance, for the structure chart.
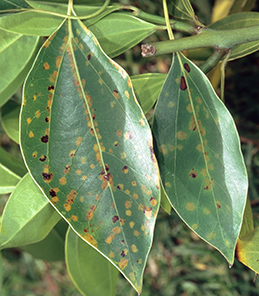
(88, 146)
(199, 155)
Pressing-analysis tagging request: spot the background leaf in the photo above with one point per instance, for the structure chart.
(12, 163)
(91, 273)
(17, 55)
(118, 32)
(10, 120)
(147, 88)
(199, 156)
(248, 222)
(247, 250)
(13, 4)
(52, 247)
(235, 21)
(81, 133)
(182, 9)
(28, 217)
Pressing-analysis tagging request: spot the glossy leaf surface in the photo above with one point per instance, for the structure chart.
(17, 53)
(147, 88)
(52, 247)
(10, 120)
(199, 155)
(118, 32)
(13, 4)
(28, 217)
(82, 131)
(248, 222)
(247, 250)
(235, 21)
(91, 273)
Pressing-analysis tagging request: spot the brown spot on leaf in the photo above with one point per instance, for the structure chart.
(47, 119)
(47, 177)
(115, 219)
(183, 85)
(45, 139)
(51, 87)
(193, 174)
(43, 158)
(187, 67)
(123, 254)
(218, 205)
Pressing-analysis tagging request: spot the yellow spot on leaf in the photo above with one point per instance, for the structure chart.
(134, 248)
(189, 108)
(206, 211)
(34, 154)
(28, 120)
(135, 196)
(131, 224)
(163, 149)
(79, 172)
(37, 114)
(116, 230)
(195, 226)
(75, 218)
(136, 233)
(67, 207)
(190, 206)
(129, 83)
(179, 147)
(171, 104)
(127, 94)
(127, 204)
(111, 255)
(181, 135)
(142, 122)
(53, 77)
(211, 236)
(46, 66)
(119, 133)
(31, 134)
(128, 213)
(123, 155)
(72, 153)
(82, 199)
(84, 177)
(110, 238)
(89, 215)
(78, 141)
(47, 43)
(63, 180)
(89, 238)
(123, 263)
(134, 183)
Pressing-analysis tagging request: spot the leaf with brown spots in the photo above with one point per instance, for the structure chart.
(93, 156)
(198, 150)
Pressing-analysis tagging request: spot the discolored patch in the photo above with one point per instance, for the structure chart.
(43, 158)
(163, 149)
(46, 66)
(74, 217)
(110, 238)
(206, 211)
(115, 94)
(193, 174)
(211, 236)
(115, 219)
(183, 85)
(116, 230)
(47, 177)
(31, 134)
(125, 169)
(131, 224)
(153, 201)
(72, 153)
(127, 204)
(187, 67)
(44, 139)
(28, 120)
(218, 205)
(190, 206)
(67, 169)
(123, 263)
(136, 233)
(181, 135)
(134, 248)
(89, 238)
(128, 212)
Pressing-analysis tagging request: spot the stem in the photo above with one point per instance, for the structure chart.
(167, 21)
(207, 38)
(213, 60)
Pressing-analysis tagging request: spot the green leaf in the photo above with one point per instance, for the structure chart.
(8, 180)
(248, 222)
(118, 32)
(235, 21)
(165, 203)
(13, 4)
(183, 9)
(1, 271)
(199, 156)
(91, 273)
(17, 55)
(51, 248)
(28, 217)
(87, 143)
(12, 163)
(41, 24)
(10, 120)
(147, 88)
(247, 250)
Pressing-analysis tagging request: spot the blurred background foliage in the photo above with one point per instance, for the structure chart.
(179, 263)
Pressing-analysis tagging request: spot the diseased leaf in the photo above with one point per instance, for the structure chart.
(52, 247)
(248, 222)
(147, 88)
(235, 21)
(199, 156)
(10, 120)
(118, 32)
(28, 217)
(82, 131)
(247, 250)
(91, 273)
(17, 55)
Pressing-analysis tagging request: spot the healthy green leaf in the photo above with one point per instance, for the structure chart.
(248, 222)
(13, 4)
(10, 120)
(51, 248)
(247, 250)
(165, 203)
(118, 32)
(183, 9)
(8, 180)
(235, 21)
(12, 163)
(147, 88)
(91, 273)
(28, 217)
(199, 155)
(87, 143)
(1, 271)
(17, 54)
(41, 24)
